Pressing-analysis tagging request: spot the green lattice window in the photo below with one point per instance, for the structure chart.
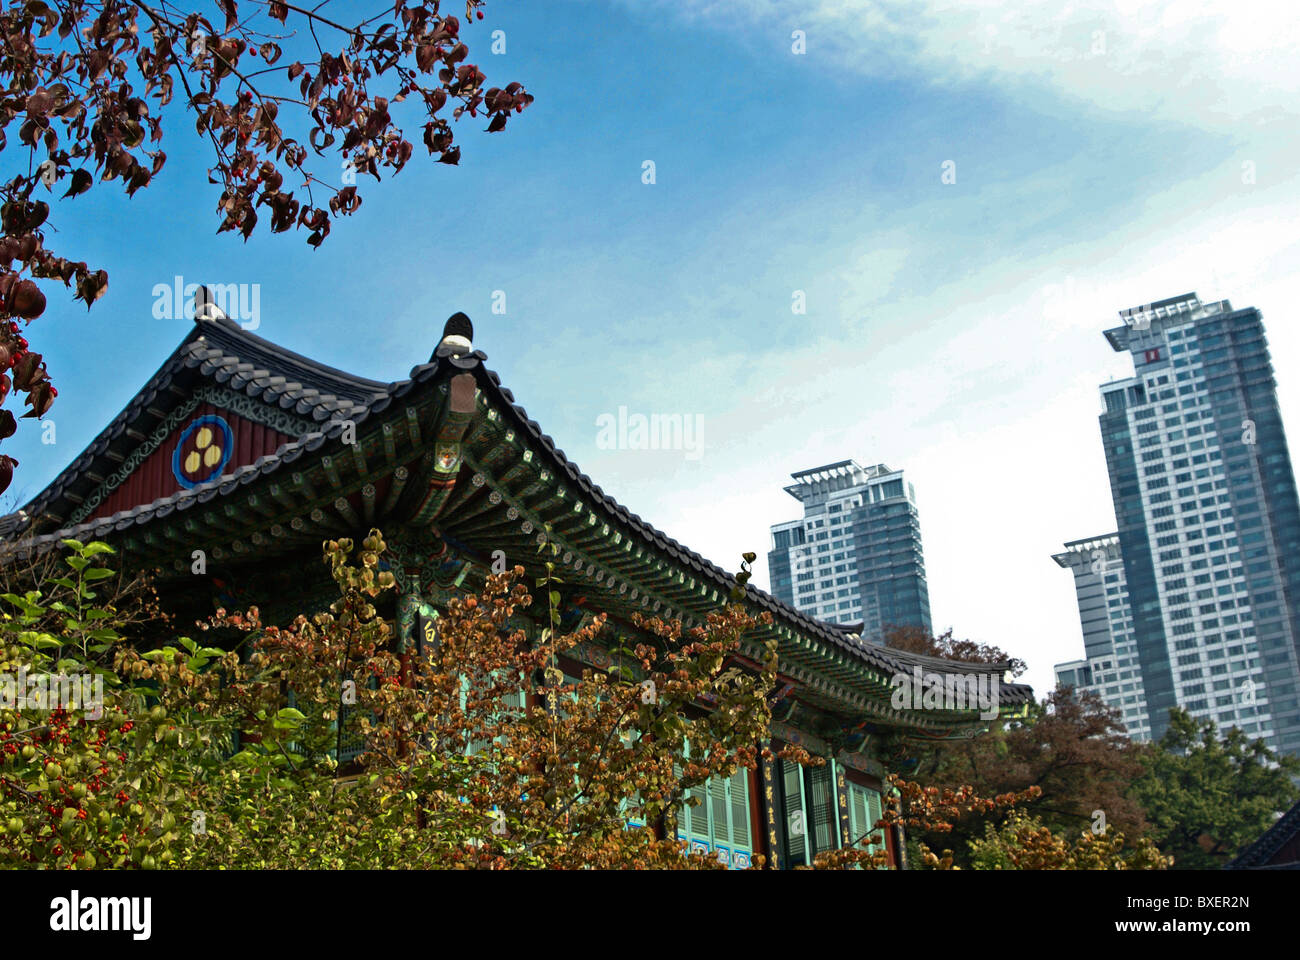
(865, 810)
(512, 704)
(718, 821)
(809, 810)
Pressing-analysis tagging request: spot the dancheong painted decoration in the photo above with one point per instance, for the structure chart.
(255, 454)
(202, 451)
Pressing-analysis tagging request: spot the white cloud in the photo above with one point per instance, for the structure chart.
(984, 387)
(1208, 63)
(984, 391)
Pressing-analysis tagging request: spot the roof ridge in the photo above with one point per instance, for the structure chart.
(225, 327)
(213, 347)
(884, 658)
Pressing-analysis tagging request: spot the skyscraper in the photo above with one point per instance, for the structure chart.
(855, 556)
(1209, 522)
(1107, 619)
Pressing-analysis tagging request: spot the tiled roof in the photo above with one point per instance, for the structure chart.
(243, 361)
(883, 658)
(223, 352)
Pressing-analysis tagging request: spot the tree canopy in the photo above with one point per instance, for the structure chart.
(274, 89)
(1207, 797)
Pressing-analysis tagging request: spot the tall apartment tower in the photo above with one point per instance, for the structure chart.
(1109, 668)
(1209, 521)
(855, 556)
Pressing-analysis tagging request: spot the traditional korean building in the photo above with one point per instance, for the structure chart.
(254, 454)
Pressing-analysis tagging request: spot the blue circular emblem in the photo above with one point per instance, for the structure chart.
(203, 450)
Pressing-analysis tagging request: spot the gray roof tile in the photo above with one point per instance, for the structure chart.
(226, 353)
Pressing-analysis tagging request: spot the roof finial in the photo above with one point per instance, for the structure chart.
(205, 305)
(457, 337)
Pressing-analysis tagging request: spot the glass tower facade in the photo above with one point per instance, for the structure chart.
(855, 556)
(1209, 522)
(1109, 668)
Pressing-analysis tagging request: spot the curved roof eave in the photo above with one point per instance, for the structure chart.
(223, 347)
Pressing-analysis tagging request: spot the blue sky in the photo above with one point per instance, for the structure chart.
(953, 330)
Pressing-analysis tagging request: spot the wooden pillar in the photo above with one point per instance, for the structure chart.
(841, 788)
(757, 817)
(773, 829)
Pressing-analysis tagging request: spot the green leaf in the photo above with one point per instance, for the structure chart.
(24, 603)
(98, 573)
(39, 641)
(95, 548)
(77, 563)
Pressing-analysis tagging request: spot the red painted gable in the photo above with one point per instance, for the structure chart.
(204, 456)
